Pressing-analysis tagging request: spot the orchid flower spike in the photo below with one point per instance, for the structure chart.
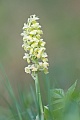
(34, 47)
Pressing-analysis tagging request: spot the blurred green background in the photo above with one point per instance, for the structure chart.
(60, 21)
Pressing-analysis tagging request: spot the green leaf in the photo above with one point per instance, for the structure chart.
(57, 93)
(57, 99)
(71, 90)
(47, 114)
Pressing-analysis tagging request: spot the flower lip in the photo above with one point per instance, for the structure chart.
(25, 26)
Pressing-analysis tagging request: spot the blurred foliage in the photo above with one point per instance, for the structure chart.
(61, 105)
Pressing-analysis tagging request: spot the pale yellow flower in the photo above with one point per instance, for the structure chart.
(34, 68)
(27, 70)
(34, 47)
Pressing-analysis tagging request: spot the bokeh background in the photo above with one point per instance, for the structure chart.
(60, 21)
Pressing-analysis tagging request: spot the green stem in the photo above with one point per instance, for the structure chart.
(39, 101)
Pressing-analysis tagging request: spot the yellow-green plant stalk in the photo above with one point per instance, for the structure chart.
(35, 54)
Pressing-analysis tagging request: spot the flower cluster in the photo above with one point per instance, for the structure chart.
(34, 48)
